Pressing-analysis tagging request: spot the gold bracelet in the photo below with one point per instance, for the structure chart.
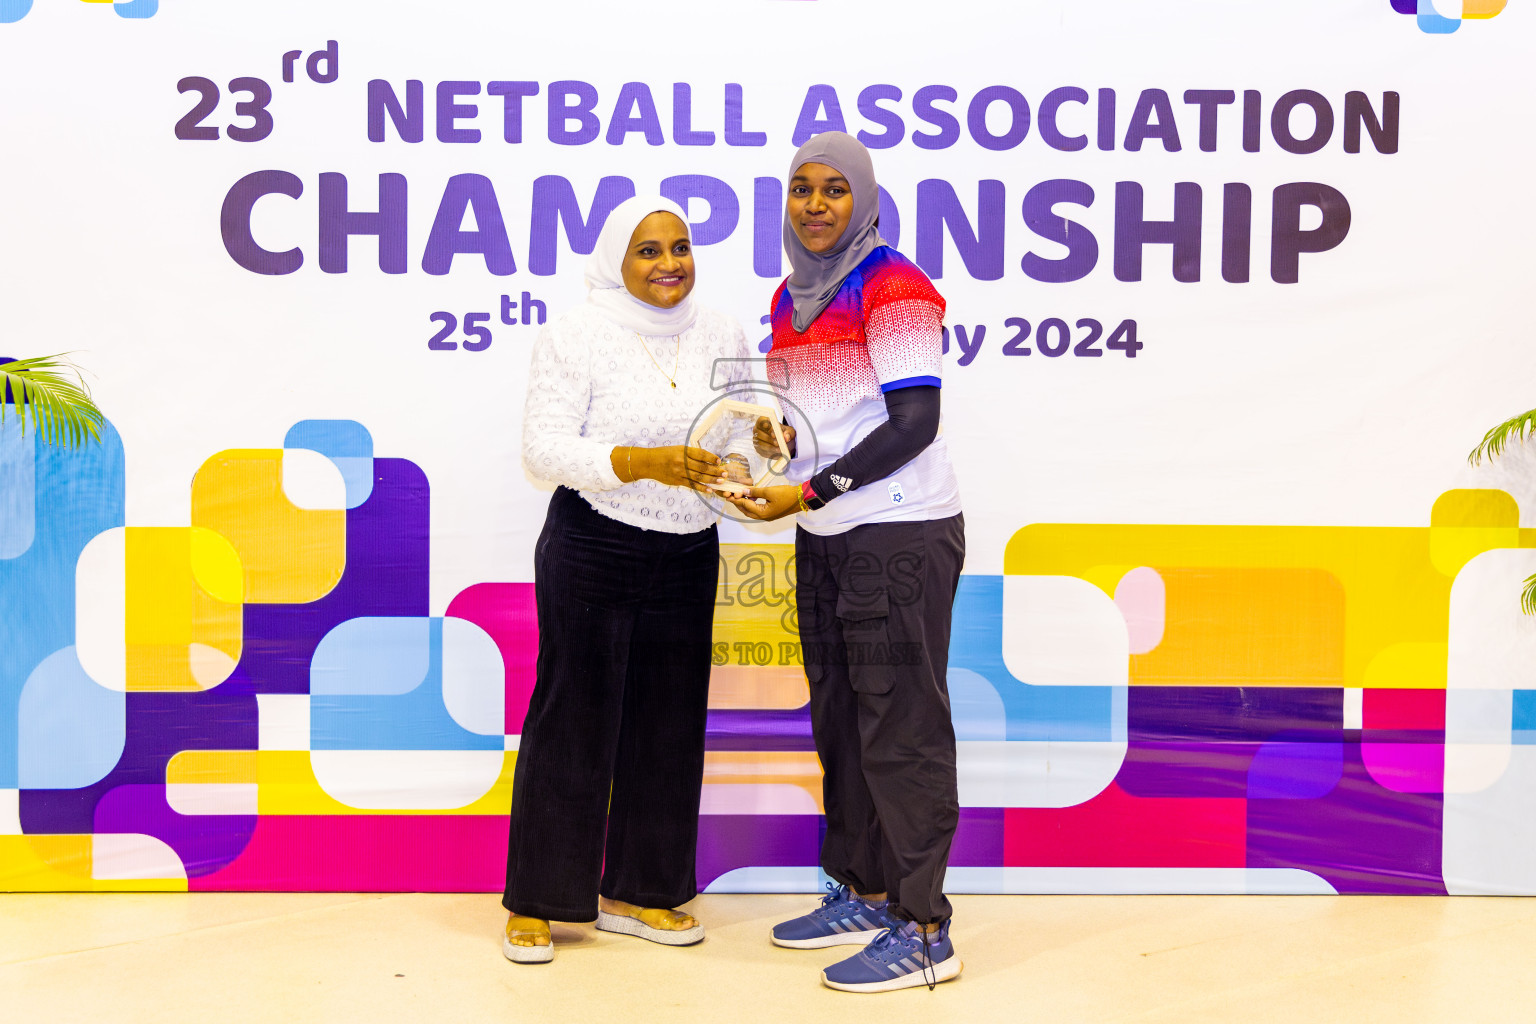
(803, 506)
(629, 463)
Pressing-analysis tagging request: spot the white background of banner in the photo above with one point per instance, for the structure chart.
(1350, 398)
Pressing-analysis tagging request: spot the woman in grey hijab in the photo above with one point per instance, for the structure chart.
(879, 547)
(818, 273)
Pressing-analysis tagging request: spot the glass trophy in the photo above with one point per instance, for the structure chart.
(726, 430)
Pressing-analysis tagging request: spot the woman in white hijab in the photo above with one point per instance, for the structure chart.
(606, 797)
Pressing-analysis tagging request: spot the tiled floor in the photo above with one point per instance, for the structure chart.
(1050, 959)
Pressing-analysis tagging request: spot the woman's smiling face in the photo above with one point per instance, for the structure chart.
(819, 206)
(658, 266)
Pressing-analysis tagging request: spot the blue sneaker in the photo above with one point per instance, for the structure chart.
(842, 920)
(897, 958)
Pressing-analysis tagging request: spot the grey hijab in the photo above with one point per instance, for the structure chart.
(814, 278)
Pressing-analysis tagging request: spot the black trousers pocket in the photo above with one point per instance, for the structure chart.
(864, 618)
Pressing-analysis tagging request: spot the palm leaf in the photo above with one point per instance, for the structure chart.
(1515, 429)
(51, 390)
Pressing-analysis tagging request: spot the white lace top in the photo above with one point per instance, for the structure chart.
(594, 386)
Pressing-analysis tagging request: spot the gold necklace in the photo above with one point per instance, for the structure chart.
(672, 377)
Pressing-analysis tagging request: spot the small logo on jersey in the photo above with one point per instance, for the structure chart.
(842, 482)
(896, 496)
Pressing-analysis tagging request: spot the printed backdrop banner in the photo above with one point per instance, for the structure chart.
(1232, 290)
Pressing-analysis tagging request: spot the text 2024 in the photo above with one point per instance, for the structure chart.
(1051, 337)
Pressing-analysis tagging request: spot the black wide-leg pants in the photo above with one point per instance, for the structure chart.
(609, 767)
(875, 605)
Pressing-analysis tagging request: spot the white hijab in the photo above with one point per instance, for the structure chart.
(605, 273)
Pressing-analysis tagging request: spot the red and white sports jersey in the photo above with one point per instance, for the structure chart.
(881, 332)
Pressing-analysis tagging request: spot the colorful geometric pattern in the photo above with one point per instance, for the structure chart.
(1440, 17)
(15, 10)
(263, 700)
